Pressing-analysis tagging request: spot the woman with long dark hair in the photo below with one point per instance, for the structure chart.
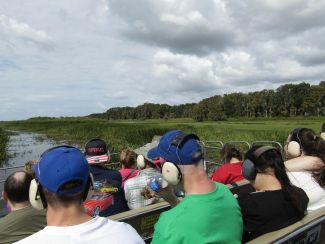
(306, 152)
(275, 203)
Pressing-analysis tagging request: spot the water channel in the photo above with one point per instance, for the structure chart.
(22, 147)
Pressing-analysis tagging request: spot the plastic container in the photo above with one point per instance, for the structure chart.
(157, 183)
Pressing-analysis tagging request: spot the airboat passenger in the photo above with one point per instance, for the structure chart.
(23, 220)
(29, 167)
(306, 152)
(128, 160)
(276, 203)
(137, 194)
(63, 183)
(209, 213)
(108, 198)
(231, 170)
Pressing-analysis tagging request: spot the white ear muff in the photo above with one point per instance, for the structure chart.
(171, 173)
(141, 163)
(294, 149)
(34, 197)
(322, 135)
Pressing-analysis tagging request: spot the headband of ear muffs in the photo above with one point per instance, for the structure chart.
(249, 170)
(170, 170)
(171, 173)
(141, 162)
(294, 147)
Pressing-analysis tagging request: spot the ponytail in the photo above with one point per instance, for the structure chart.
(273, 159)
(292, 193)
(319, 175)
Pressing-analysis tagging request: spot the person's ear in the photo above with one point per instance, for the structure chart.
(4, 196)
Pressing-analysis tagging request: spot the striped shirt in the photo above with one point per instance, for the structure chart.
(135, 186)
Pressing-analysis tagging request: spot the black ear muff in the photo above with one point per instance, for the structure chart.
(89, 190)
(36, 195)
(294, 147)
(171, 173)
(248, 170)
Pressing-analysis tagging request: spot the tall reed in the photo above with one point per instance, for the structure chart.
(4, 138)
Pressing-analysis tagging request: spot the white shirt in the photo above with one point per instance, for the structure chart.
(96, 230)
(315, 193)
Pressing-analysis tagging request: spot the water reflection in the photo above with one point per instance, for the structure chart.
(23, 146)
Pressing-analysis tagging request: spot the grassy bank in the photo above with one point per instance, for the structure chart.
(4, 137)
(119, 134)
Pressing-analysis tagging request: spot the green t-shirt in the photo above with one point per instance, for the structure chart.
(20, 224)
(214, 217)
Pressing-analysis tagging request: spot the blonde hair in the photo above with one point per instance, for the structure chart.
(128, 158)
(29, 167)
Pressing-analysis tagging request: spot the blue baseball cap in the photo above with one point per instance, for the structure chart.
(178, 147)
(61, 165)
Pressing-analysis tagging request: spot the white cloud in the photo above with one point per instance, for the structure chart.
(184, 72)
(10, 26)
(78, 57)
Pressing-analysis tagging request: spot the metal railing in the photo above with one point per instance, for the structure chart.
(6, 169)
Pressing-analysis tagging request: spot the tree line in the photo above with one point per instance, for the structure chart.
(289, 100)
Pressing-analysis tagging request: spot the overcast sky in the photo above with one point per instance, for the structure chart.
(76, 57)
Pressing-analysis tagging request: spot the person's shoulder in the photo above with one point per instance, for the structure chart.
(300, 192)
(223, 167)
(118, 230)
(112, 173)
(5, 222)
(171, 217)
(220, 187)
(115, 172)
(34, 238)
(248, 198)
(131, 181)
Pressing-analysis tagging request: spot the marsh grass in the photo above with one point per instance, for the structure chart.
(120, 134)
(4, 138)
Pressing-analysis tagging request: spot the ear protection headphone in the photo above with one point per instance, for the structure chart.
(36, 193)
(171, 173)
(141, 162)
(249, 170)
(170, 170)
(294, 147)
(322, 135)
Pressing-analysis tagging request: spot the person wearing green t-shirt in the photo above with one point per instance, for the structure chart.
(209, 213)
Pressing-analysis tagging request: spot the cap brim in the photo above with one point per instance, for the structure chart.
(97, 159)
(153, 153)
(145, 149)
